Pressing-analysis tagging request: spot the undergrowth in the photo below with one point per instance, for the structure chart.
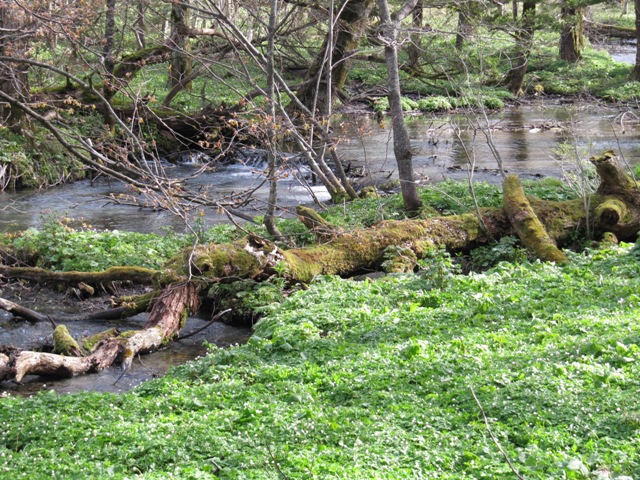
(375, 380)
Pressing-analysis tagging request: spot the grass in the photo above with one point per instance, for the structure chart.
(372, 380)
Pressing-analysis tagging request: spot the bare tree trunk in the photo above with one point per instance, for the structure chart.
(415, 45)
(636, 71)
(467, 11)
(401, 141)
(14, 80)
(269, 218)
(180, 65)
(109, 61)
(524, 40)
(139, 27)
(350, 25)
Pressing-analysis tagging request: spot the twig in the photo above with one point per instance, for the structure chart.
(275, 463)
(198, 330)
(153, 374)
(495, 440)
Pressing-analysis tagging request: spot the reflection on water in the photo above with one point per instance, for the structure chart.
(525, 139)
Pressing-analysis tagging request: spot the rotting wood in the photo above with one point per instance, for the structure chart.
(20, 311)
(138, 275)
(167, 317)
(525, 222)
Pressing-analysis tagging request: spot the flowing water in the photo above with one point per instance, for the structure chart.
(525, 139)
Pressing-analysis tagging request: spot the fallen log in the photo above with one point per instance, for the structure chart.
(138, 275)
(525, 222)
(20, 311)
(615, 31)
(167, 317)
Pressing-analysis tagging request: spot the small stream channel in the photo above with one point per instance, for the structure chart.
(527, 138)
(25, 335)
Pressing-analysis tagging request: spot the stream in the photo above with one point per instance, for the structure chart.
(527, 138)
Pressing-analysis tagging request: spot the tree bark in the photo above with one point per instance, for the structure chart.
(401, 140)
(110, 87)
(636, 71)
(14, 80)
(524, 40)
(180, 65)
(572, 34)
(350, 25)
(414, 50)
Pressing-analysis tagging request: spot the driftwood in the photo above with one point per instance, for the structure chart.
(543, 227)
(167, 317)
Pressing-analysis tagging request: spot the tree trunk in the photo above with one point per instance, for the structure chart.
(110, 87)
(414, 50)
(14, 79)
(350, 25)
(139, 27)
(636, 71)
(524, 40)
(467, 11)
(180, 65)
(401, 141)
(571, 34)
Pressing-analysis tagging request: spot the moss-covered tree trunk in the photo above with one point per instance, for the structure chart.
(571, 34)
(351, 23)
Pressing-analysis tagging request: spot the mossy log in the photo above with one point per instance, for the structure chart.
(525, 222)
(615, 31)
(137, 275)
(543, 225)
(64, 343)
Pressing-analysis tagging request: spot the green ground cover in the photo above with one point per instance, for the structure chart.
(373, 380)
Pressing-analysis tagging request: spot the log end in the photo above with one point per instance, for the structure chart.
(64, 343)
